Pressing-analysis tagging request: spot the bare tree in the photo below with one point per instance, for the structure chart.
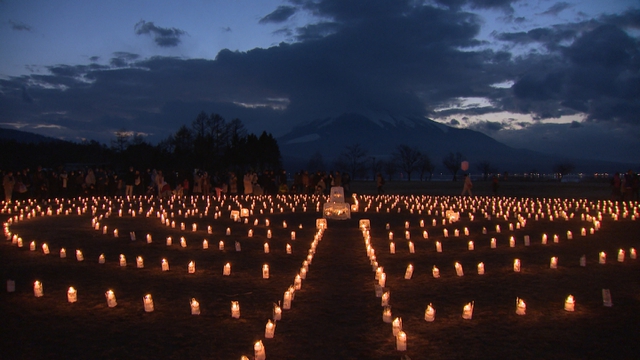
(562, 169)
(425, 165)
(353, 160)
(407, 159)
(121, 141)
(452, 163)
(485, 168)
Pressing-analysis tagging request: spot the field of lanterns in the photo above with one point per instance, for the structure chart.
(269, 278)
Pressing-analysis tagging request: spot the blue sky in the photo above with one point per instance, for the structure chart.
(538, 74)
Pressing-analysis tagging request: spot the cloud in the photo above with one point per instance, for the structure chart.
(557, 8)
(164, 37)
(279, 15)
(19, 26)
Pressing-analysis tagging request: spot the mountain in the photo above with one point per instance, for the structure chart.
(380, 134)
(24, 137)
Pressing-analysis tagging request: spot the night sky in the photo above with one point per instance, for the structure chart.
(545, 75)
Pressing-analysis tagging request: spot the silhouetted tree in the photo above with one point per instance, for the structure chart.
(452, 163)
(562, 169)
(485, 168)
(425, 165)
(353, 159)
(407, 159)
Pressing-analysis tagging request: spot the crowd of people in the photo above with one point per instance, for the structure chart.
(102, 181)
(625, 186)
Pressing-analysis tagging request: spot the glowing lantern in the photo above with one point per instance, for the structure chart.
(183, 242)
(396, 326)
(191, 268)
(470, 246)
(445, 232)
(169, 241)
(139, 262)
(149, 239)
(288, 248)
(516, 265)
(79, 255)
(238, 247)
(195, 307)
(226, 271)
(384, 301)
(228, 231)
(286, 303)
(37, 289)
(269, 234)
(409, 272)
(412, 248)
(266, 248)
(194, 227)
(111, 298)
(632, 253)
(293, 235)
(521, 307)
(544, 239)
(436, 272)
(259, 352)
(32, 246)
(101, 259)
(512, 242)
(401, 341)
(235, 309)
(467, 311)
(569, 235)
(383, 279)
(63, 253)
(459, 270)
(602, 258)
(386, 314)
(430, 313)
(165, 265)
(438, 246)
(123, 260)
(115, 233)
(392, 248)
(583, 232)
(269, 330)
(45, 249)
(265, 271)
(481, 268)
(554, 263)
(205, 244)
(493, 243)
(621, 255)
(148, 303)
(569, 304)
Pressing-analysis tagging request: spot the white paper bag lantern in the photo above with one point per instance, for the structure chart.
(139, 262)
(148, 303)
(226, 271)
(392, 248)
(169, 241)
(569, 303)
(63, 253)
(435, 272)
(183, 242)
(265, 271)
(554, 262)
(195, 307)
(286, 302)
(459, 270)
(621, 255)
(259, 352)
(277, 313)
(165, 265)
(205, 244)
(521, 307)
(481, 268)
(632, 254)
(602, 258)
(396, 326)
(79, 255)
(467, 311)
(123, 260)
(516, 265)
(401, 341)
(412, 248)
(45, 249)
(470, 246)
(111, 298)
(430, 313)
(438, 246)
(191, 268)
(269, 330)
(266, 248)
(386, 315)
(37, 289)
(409, 272)
(101, 259)
(235, 309)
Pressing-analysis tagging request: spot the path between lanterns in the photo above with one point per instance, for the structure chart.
(334, 315)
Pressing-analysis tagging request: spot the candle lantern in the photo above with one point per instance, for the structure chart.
(632, 253)
(392, 248)
(436, 272)
(602, 258)
(45, 249)
(169, 241)
(265, 271)
(569, 235)
(79, 255)
(286, 302)
(621, 255)
(288, 248)
(438, 246)
(382, 280)
(396, 326)
(250, 233)
(194, 227)
(412, 249)
(544, 239)
(516, 265)
(277, 312)
(139, 262)
(182, 227)
(521, 307)
(63, 253)
(493, 243)
(209, 230)
(303, 272)
(226, 271)
(385, 299)
(195, 307)
(445, 233)
(467, 311)
(386, 314)
(115, 233)
(32, 246)
(554, 262)
(37, 289)
(191, 268)
(269, 234)
(111, 298)
(430, 313)
(481, 268)
(148, 303)
(183, 242)
(569, 303)
(101, 259)
(221, 245)
(269, 330)
(123, 260)
(425, 234)
(266, 248)
(228, 231)
(470, 245)
(235, 309)
(459, 270)
(149, 239)
(401, 341)
(512, 242)
(205, 244)
(238, 247)
(293, 235)
(165, 265)
(297, 282)
(259, 352)
(583, 232)
(409, 272)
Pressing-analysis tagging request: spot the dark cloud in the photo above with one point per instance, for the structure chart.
(279, 15)
(487, 126)
(164, 37)
(454, 122)
(19, 26)
(557, 8)
(504, 5)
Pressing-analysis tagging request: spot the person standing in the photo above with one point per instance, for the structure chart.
(8, 182)
(380, 183)
(129, 181)
(467, 185)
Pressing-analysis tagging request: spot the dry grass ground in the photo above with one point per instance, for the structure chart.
(336, 314)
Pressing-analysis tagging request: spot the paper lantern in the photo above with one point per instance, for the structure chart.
(226, 271)
(79, 255)
(303, 272)
(228, 232)
(269, 234)
(238, 247)
(265, 271)
(293, 235)
(396, 326)
(169, 241)
(32, 246)
(384, 301)
(165, 265)
(516, 265)
(123, 260)
(481, 268)
(191, 268)
(101, 259)
(286, 302)
(209, 230)
(632, 254)
(602, 258)
(470, 245)
(383, 280)
(409, 272)
(37, 289)
(569, 303)
(435, 272)
(45, 249)
(288, 249)
(266, 248)
(205, 244)
(392, 248)
(386, 314)
(115, 233)
(149, 239)
(111, 298)
(438, 246)
(182, 226)
(277, 312)
(554, 262)
(467, 311)
(259, 352)
(544, 239)
(401, 341)
(521, 307)
(569, 235)
(512, 242)
(445, 233)
(269, 330)
(621, 255)
(148, 303)
(195, 307)
(235, 309)
(430, 313)
(412, 249)
(493, 243)
(297, 282)
(459, 270)
(183, 242)
(221, 245)
(63, 253)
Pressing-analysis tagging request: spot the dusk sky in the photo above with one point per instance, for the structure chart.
(554, 76)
